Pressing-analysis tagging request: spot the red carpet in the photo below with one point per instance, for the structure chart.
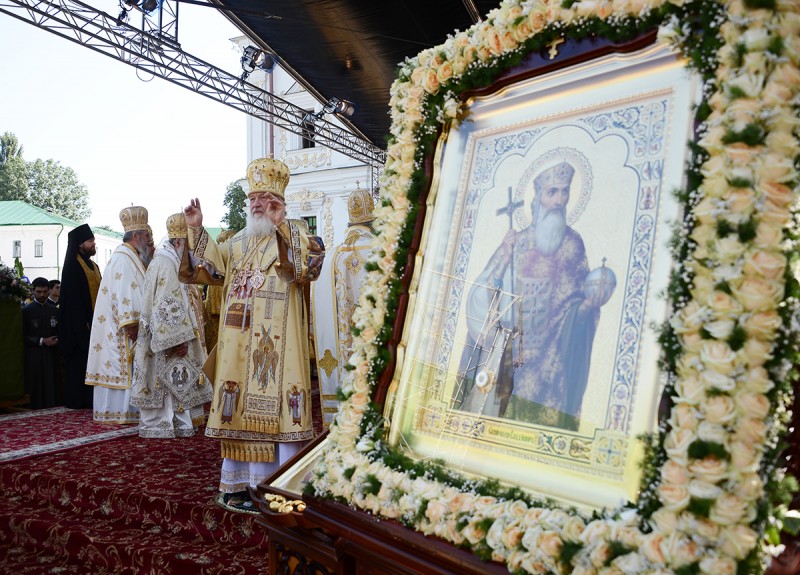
(79, 502)
(47, 430)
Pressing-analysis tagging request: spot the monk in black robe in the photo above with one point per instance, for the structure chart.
(80, 281)
(42, 370)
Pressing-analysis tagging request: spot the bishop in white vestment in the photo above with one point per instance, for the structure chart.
(167, 379)
(336, 295)
(115, 324)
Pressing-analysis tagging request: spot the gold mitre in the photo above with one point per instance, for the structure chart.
(360, 206)
(133, 218)
(176, 226)
(559, 175)
(267, 175)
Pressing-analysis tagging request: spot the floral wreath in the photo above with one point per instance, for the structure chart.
(714, 495)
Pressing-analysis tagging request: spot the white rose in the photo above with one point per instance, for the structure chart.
(737, 541)
(713, 432)
(703, 489)
(720, 329)
(728, 509)
(718, 566)
(743, 456)
(757, 379)
(664, 521)
(752, 431)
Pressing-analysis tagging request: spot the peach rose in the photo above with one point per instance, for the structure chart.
(664, 521)
(684, 416)
(430, 81)
(651, 547)
(719, 409)
(691, 390)
(674, 473)
(756, 352)
(757, 379)
(750, 486)
(757, 294)
(550, 543)
(674, 497)
(702, 527)
(709, 469)
(752, 431)
(783, 143)
(444, 72)
(718, 356)
(537, 19)
(773, 214)
(741, 201)
(752, 404)
(768, 235)
(775, 167)
(573, 529)
(723, 305)
(763, 325)
(743, 456)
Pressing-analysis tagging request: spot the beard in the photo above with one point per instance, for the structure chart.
(550, 229)
(258, 225)
(144, 253)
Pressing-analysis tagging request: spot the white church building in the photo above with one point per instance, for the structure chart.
(38, 239)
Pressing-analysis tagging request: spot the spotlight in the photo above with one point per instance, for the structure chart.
(131, 2)
(149, 5)
(339, 107)
(253, 58)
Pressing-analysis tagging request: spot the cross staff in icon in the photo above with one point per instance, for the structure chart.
(509, 209)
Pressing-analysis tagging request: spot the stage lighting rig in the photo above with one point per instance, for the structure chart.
(255, 58)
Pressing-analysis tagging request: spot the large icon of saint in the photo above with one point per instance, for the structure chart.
(532, 316)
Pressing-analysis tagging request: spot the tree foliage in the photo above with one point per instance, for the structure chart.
(45, 184)
(235, 198)
(10, 147)
(56, 188)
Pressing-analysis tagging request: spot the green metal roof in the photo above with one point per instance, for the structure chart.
(19, 213)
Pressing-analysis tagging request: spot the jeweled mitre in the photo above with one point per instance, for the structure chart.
(133, 218)
(176, 226)
(360, 206)
(267, 175)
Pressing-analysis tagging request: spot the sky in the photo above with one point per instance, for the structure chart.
(149, 143)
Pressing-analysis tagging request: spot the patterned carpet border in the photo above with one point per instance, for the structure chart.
(73, 428)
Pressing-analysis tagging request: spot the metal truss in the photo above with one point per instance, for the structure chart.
(154, 49)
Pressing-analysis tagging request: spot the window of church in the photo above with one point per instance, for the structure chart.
(38, 248)
(312, 224)
(17, 249)
(309, 130)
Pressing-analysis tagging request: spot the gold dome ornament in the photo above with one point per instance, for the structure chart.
(267, 175)
(360, 206)
(176, 226)
(134, 219)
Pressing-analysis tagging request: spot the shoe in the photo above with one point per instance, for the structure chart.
(238, 502)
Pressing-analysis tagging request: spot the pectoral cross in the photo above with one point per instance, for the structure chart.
(554, 47)
(510, 208)
(271, 295)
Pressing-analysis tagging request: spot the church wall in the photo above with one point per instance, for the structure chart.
(54, 245)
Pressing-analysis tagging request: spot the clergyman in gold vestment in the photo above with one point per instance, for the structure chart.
(261, 409)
